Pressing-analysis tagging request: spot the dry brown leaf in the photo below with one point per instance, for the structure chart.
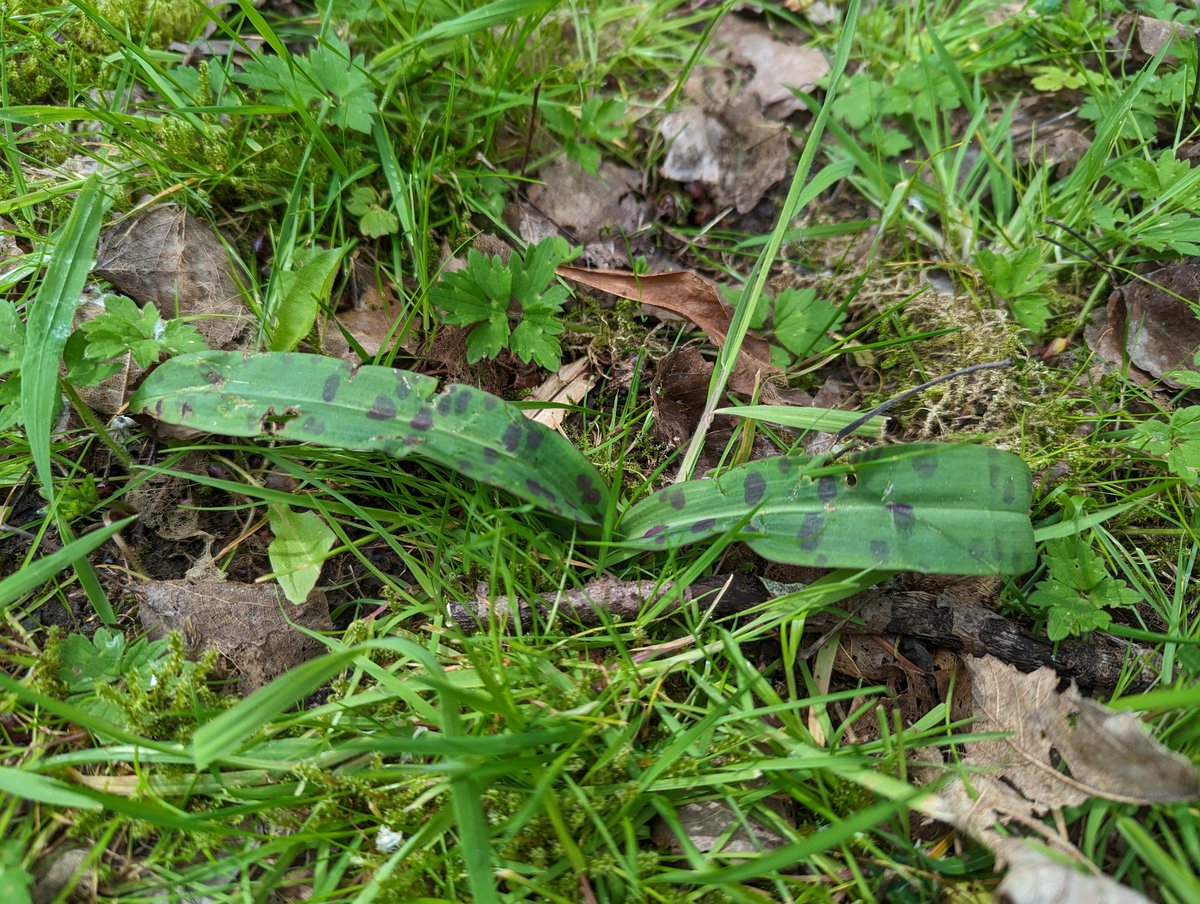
(566, 387)
(687, 294)
(1152, 326)
(732, 148)
(369, 317)
(780, 68)
(249, 624)
(166, 256)
(677, 394)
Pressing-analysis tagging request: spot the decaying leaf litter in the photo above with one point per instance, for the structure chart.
(730, 144)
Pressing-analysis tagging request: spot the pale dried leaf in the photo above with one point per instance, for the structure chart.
(733, 149)
(706, 823)
(780, 68)
(568, 386)
(1036, 878)
(1109, 754)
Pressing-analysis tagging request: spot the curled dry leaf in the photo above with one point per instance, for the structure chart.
(1151, 324)
(688, 295)
(166, 256)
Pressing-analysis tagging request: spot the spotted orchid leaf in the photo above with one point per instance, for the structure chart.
(954, 509)
(325, 401)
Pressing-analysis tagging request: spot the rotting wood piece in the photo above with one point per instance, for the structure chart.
(944, 619)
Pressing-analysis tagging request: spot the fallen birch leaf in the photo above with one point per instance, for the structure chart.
(688, 295)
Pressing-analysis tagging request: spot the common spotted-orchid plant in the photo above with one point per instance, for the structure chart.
(961, 509)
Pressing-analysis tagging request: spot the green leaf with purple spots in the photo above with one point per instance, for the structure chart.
(311, 398)
(954, 509)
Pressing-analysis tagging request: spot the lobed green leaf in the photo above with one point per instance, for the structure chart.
(922, 507)
(311, 398)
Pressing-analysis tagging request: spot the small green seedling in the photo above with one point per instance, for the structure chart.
(328, 77)
(799, 324)
(301, 541)
(1078, 591)
(91, 350)
(488, 292)
(1018, 277)
(1177, 440)
(955, 509)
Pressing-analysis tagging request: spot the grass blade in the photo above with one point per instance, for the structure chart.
(49, 322)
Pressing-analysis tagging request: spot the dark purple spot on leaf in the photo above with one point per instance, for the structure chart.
(925, 466)
(512, 439)
(675, 498)
(384, 409)
(994, 474)
(784, 464)
(213, 377)
(810, 531)
(755, 488)
(489, 403)
(881, 553)
(1010, 492)
(311, 426)
(827, 488)
(589, 494)
(654, 531)
(185, 411)
(538, 490)
(444, 404)
(490, 455)
(704, 524)
(533, 436)
(465, 464)
(329, 390)
(403, 388)
(423, 419)
(903, 517)
(462, 401)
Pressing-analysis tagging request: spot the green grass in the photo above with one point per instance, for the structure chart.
(547, 760)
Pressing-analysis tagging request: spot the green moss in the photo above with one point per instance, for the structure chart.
(52, 49)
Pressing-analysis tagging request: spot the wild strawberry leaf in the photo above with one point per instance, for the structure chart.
(310, 398)
(923, 507)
